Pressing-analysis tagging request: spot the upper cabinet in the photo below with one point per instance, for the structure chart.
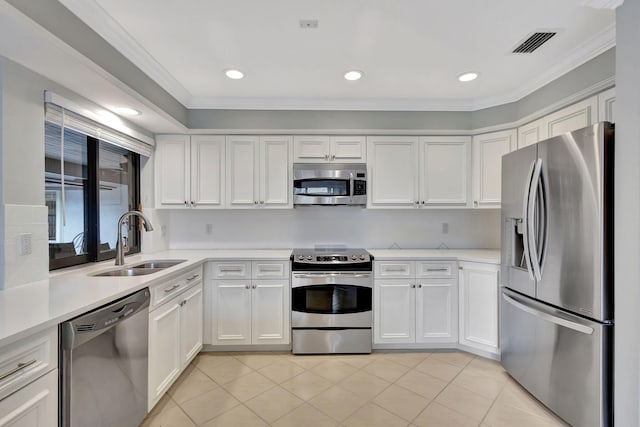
(258, 172)
(323, 149)
(488, 150)
(568, 119)
(418, 172)
(189, 171)
(606, 105)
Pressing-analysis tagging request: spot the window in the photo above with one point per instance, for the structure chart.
(89, 184)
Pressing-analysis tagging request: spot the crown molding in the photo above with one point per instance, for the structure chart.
(602, 4)
(92, 14)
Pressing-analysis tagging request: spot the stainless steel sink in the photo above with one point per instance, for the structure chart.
(159, 263)
(127, 272)
(147, 267)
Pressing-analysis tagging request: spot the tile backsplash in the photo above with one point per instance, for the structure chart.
(31, 221)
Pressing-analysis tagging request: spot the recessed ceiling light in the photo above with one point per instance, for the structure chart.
(353, 75)
(234, 74)
(467, 77)
(126, 111)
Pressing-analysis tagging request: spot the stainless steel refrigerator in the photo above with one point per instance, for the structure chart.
(556, 299)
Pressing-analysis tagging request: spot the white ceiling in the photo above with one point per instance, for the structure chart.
(411, 51)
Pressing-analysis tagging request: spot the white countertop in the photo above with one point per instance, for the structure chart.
(27, 309)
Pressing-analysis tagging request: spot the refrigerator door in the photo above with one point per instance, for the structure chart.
(517, 172)
(559, 358)
(578, 187)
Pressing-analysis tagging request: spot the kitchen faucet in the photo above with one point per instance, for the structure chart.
(121, 248)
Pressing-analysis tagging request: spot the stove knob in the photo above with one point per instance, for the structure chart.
(354, 257)
(300, 257)
(309, 257)
(362, 257)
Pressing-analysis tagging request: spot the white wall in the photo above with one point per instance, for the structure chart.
(355, 227)
(627, 217)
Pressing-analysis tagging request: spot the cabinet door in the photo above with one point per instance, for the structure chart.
(606, 105)
(393, 171)
(172, 171)
(445, 166)
(243, 172)
(348, 149)
(394, 311)
(479, 305)
(165, 363)
(207, 171)
(531, 133)
(270, 309)
(35, 405)
(311, 149)
(436, 310)
(191, 327)
(573, 117)
(231, 317)
(488, 150)
(275, 172)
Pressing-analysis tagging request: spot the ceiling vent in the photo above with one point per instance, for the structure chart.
(534, 41)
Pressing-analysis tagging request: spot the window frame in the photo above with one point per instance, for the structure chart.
(92, 211)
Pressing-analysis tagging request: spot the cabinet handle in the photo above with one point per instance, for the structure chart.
(422, 202)
(460, 268)
(18, 368)
(437, 269)
(192, 277)
(326, 157)
(247, 286)
(186, 203)
(171, 288)
(413, 285)
(419, 285)
(193, 204)
(254, 286)
(333, 157)
(475, 203)
(230, 270)
(262, 202)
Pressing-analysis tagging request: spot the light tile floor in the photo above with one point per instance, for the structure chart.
(416, 389)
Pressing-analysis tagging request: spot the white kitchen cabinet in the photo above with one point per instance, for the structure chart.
(418, 172)
(530, 133)
(606, 105)
(251, 304)
(573, 117)
(259, 172)
(175, 334)
(445, 164)
(35, 405)
(488, 150)
(415, 302)
(329, 149)
(189, 171)
(393, 169)
(479, 283)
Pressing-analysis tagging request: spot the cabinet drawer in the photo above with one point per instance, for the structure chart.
(270, 269)
(27, 359)
(435, 269)
(167, 290)
(232, 270)
(394, 269)
(35, 405)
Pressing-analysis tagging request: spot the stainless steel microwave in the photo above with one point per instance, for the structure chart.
(329, 184)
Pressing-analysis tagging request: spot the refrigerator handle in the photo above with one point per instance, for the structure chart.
(530, 214)
(526, 220)
(548, 317)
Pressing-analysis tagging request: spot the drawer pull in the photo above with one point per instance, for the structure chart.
(395, 269)
(276, 269)
(195, 276)
(21, 366)
(230, 270)
(437, 269)
(171, 288)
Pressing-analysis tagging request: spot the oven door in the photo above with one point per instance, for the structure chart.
(331, 300)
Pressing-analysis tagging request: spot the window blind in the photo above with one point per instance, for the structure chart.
(69, 119)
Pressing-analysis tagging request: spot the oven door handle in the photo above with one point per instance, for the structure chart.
(325, 275)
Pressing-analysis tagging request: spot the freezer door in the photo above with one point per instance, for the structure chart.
(564, 360)
(517, 171)
(578, 185)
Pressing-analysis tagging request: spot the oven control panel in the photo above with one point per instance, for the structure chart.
(333, 259)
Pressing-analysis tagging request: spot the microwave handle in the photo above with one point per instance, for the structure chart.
(351, 187)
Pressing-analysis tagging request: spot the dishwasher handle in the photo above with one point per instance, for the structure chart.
(83, 328)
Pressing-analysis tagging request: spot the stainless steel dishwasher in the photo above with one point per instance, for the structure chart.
(103, 357)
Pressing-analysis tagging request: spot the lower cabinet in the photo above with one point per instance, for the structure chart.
(250, 303)
(35, 405)
(175, 338)
(479, 283)
(417, 304)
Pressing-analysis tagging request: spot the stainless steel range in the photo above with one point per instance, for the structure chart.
(331, 300)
